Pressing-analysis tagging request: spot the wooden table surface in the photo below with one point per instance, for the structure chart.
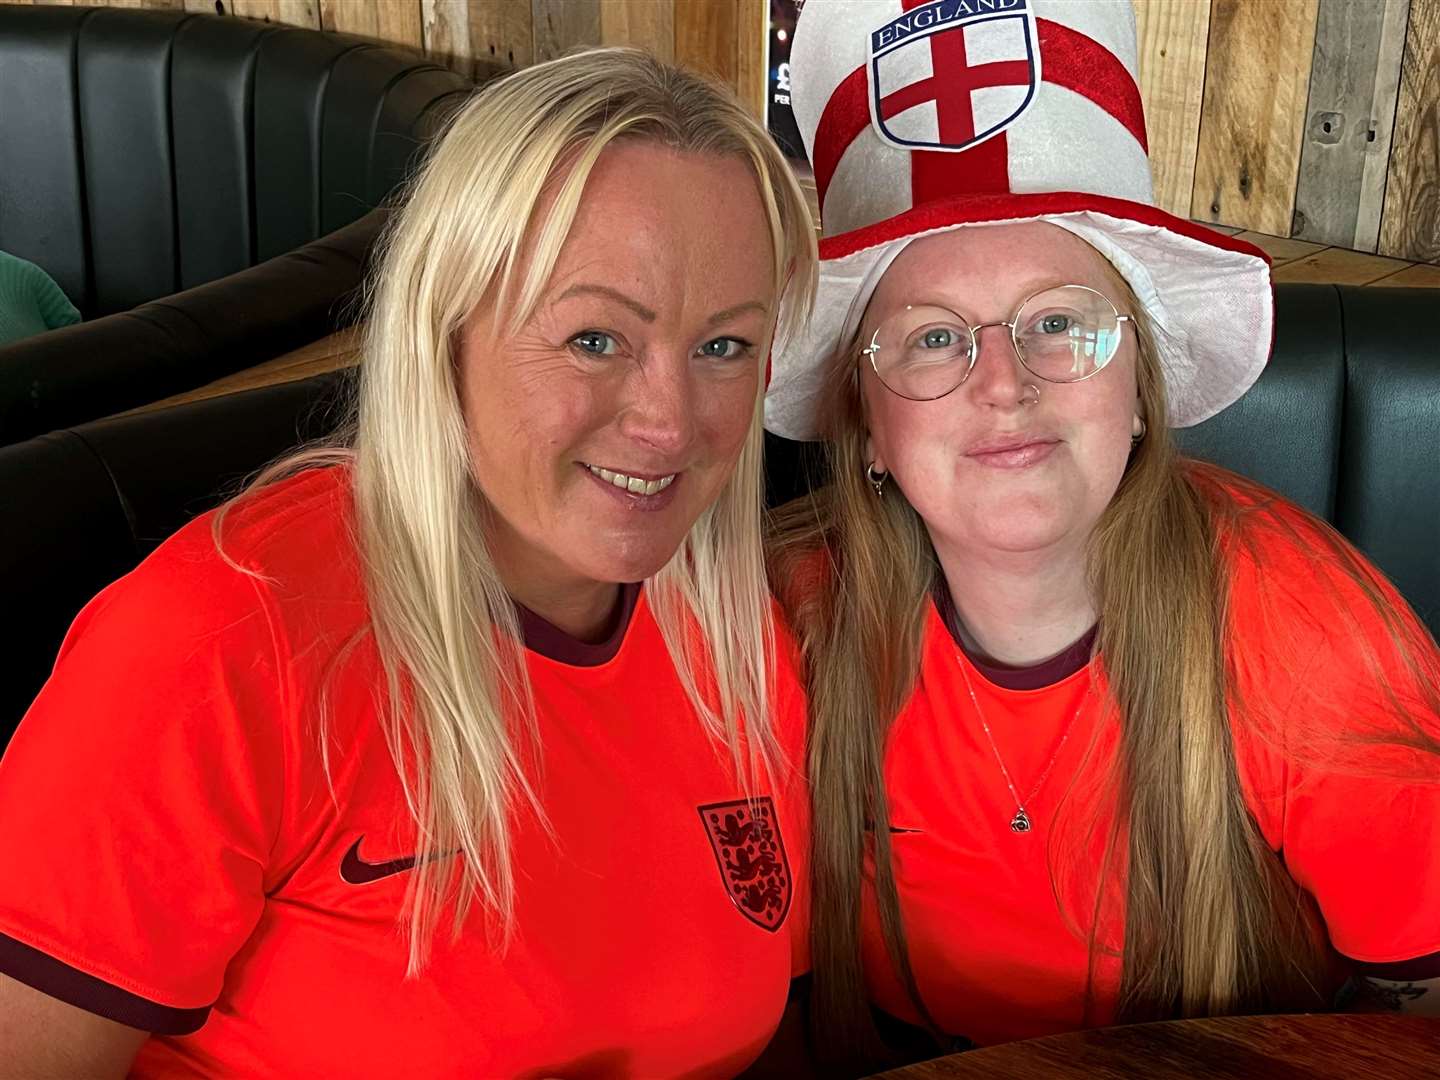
(1313, 1047)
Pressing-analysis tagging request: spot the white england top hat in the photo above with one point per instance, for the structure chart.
(920, 117)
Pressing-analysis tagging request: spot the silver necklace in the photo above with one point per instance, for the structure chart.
(1021, 822)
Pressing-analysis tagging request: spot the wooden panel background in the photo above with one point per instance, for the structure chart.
(1410, 221)
(1316, 121)
(1172, 36)
(1354, 79)
(1257, 69)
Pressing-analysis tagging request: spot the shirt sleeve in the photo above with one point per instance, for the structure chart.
(1361, 821)
(1373, 873)
(1335, 745)
(30, 300)
(55, 307)
(140, 797)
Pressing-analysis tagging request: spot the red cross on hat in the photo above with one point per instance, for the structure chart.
(952, 89)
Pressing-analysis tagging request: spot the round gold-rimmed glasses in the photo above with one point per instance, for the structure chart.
(1064, 334)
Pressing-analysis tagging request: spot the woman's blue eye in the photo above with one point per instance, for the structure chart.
(938, 338)
(1055, 324)
(595, 343)
(725, 348)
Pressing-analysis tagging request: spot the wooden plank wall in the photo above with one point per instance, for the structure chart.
(1257, 69)
(723, 37)
(1354, 80)
(1316, 121)
(1410, 221)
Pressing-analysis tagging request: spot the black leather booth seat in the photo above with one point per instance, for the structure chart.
(144, 153)
(88, 503)
(1345, 421)
(106, 366)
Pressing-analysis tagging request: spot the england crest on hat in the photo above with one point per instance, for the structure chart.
(924, 117)
(991, 50)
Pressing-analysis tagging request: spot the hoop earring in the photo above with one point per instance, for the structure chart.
(1031, 388)
(877, 480)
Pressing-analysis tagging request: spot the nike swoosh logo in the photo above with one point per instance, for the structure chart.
(356, 871)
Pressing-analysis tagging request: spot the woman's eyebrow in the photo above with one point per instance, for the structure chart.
(613, 294)
(648, 315)
(739, 309)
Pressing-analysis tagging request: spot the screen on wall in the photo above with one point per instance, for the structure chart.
(779, 116)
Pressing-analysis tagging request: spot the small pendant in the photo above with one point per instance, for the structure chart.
(1020, 822)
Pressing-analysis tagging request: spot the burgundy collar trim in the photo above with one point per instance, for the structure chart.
(544, 637)
(1419, 969)
(1035, 677)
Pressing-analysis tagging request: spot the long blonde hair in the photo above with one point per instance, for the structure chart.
(458, 705)
(1213, 924)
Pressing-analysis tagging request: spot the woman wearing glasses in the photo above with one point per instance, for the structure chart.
(462, 747)
(1098, 733)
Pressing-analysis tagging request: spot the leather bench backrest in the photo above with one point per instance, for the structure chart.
(1285, 431)
(1345, 421)
(91, 502)
(1389, 492)
(145, 152)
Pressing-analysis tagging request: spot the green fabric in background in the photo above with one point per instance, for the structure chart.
(30, 301)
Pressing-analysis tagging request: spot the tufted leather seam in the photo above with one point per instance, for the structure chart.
(324, 99)
(373, 125)
(80, 155)
(125, 507)
(170, 149)
(372, 150)
(1344, 441)
(251, 63)
(379, 110)
(160, 117)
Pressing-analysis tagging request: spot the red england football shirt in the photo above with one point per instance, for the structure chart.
(180, 861)
(996, 921)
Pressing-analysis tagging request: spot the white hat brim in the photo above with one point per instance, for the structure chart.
(1208, 297)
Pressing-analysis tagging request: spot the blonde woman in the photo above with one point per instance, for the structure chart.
(1098, 734)
(464, 747)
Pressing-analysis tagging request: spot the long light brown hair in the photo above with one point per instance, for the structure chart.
(456, 695)
(1213, 923)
